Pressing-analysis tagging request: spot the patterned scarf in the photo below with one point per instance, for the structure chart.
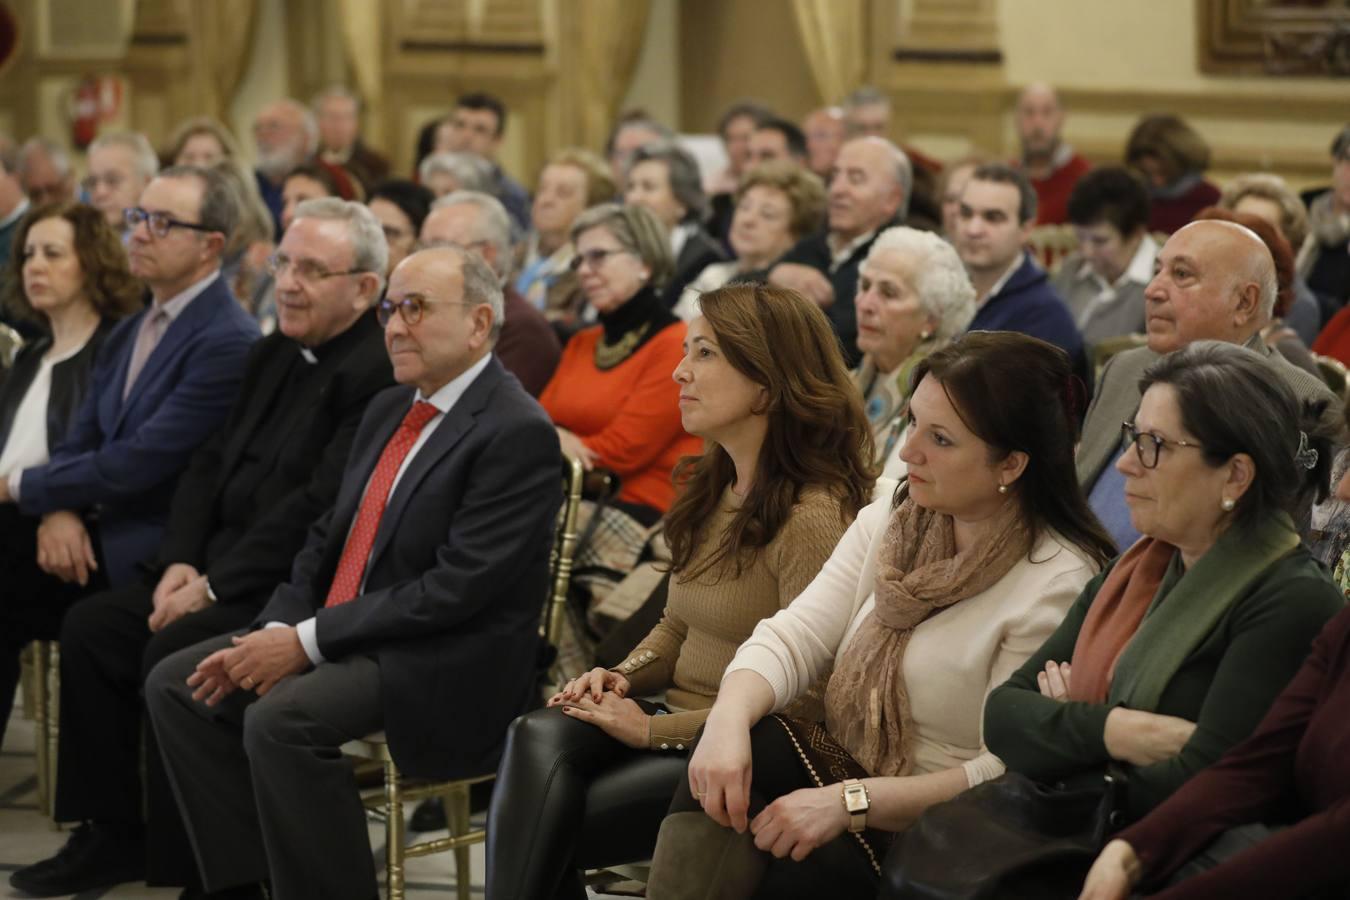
(919, 574)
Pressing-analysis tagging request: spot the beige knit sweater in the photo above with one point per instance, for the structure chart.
(706, 619)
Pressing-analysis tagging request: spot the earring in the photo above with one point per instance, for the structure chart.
(925, 334)
(1003, 489)
(1227, 504)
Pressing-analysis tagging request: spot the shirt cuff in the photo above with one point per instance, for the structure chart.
(15, 483)
(308, 633)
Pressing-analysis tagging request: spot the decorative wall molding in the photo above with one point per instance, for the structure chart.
(1274, 37)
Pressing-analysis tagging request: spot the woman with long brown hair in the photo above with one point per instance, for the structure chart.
(787, 466)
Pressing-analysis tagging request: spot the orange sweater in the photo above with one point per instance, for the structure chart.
(629, 415)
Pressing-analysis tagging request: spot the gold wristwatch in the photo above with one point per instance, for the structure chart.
(857, 802)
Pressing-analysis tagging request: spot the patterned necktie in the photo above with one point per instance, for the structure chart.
(356, 552)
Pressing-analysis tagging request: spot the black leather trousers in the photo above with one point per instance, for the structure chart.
(570, 797)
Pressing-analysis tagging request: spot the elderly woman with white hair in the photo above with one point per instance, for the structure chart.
(914, 297)
(445, 173)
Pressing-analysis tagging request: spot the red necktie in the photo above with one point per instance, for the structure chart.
(352, 565)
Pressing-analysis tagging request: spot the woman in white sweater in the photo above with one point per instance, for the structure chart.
(931, 599)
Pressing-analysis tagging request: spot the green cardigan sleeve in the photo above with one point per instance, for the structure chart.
(1039, 737)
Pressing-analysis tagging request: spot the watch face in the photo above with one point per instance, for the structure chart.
(855, 799)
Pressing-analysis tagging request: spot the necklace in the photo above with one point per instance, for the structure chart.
(608, 355)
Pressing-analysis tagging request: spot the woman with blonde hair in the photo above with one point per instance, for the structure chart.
(786, 466)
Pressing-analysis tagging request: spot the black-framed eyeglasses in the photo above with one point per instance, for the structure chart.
(410, 308)
(1147, 444)
(159, 223)
(593, 258)
(306, 270)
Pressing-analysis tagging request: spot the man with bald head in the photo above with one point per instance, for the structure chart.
(428, 571)
(1213, 281)
(1053, 166)
(868, 192)
(285, 134)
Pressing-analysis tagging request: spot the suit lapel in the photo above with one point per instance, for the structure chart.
(449, 432)
(180, 329)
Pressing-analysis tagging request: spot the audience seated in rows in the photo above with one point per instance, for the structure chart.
(121, 164)
(786, 468)
(632, 130)
(914, 298)
(70, 275)
(426, 570)
(401, 206)
(45, 171)
(14, 204)
(1214, 281)
(476, 125)
(951, 184)
(1051, 165)
(445, 172)
(825, 131)
(664, 179)
(1325, 259)
(525, 345)
(1172, 157)
(777, 139)
(777, 205)
(572, 181)
(868, 113)
(612, 399)
(285, 135)
(1174, 654)
(735, 128)
(983, 549)
(1012, 291)
(239, 518)
(869, 191)
(1103, 282)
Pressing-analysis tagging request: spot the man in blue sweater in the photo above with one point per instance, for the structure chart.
(1012, 291)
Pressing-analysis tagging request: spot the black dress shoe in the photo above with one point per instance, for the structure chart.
(95, 856)
(430, 813)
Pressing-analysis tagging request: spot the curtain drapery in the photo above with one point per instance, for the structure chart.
(834, 35)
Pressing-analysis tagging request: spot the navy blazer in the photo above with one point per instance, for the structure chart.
(457, 577)
(120, 459)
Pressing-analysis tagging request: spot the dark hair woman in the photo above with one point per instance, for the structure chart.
(786, 468)
(930, 598)
(69, 273)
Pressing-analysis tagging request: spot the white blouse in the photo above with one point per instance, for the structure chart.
(27, 443)
(955, 657)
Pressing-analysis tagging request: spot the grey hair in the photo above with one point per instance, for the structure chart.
(686, 182)
(493, 225)
(471, 172)
(334, 90)
(220, 209)
(904, 176)
(481, 285)
(370, 250)
(867, 95)
(940, 279)
(308, 123)
(143, 155)
(49, 148)
(637, 230)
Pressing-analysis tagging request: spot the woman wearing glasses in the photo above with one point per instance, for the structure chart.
(1175, 653)
(69, 274)
(611, 397)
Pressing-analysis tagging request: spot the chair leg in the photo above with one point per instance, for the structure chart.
(53, 680)
(393, 832)
(28, 682)
(457, 818)
(39, 650)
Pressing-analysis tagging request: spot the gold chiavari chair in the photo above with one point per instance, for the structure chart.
(1050, 244)
(398, 791)
(43, 669)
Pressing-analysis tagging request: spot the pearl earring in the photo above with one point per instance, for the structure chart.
(1003, 489)
(925, 334)
(1227, 504)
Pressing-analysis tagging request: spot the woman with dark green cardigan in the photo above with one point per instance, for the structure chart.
(1175, 653)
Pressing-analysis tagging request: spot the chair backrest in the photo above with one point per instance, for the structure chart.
(11, 342)
(1050, 244)
(565, 537)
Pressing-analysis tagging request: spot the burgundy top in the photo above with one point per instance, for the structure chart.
(1052, 191)
(1294, 770)
(527, 346)
(1168, 214)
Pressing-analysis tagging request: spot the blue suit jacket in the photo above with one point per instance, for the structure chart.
(1027, 303)
(122, 459)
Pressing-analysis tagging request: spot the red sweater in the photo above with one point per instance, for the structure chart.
(1052, 192)
(629, 415)
(1294, 770)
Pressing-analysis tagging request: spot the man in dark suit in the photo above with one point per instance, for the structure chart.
(240, 514)
(869, 191)
(413, 608)
(163, 383)
(1215, 281)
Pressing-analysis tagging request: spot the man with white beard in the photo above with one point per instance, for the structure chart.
(286, 135)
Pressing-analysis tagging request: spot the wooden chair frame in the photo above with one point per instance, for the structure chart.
(41, 671)
(397, 791)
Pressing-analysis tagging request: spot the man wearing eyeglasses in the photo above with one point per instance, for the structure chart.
(426, 575)
(1212, 280)
(121, 164)
(239, 517)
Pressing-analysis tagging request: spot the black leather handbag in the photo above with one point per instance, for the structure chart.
(1007, 839)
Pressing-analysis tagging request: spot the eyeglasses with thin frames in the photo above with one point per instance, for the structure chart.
(593, 258)
(305, 270)
(1147, 444)
(160, 223)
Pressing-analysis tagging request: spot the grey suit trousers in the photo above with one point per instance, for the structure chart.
(262, 785)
